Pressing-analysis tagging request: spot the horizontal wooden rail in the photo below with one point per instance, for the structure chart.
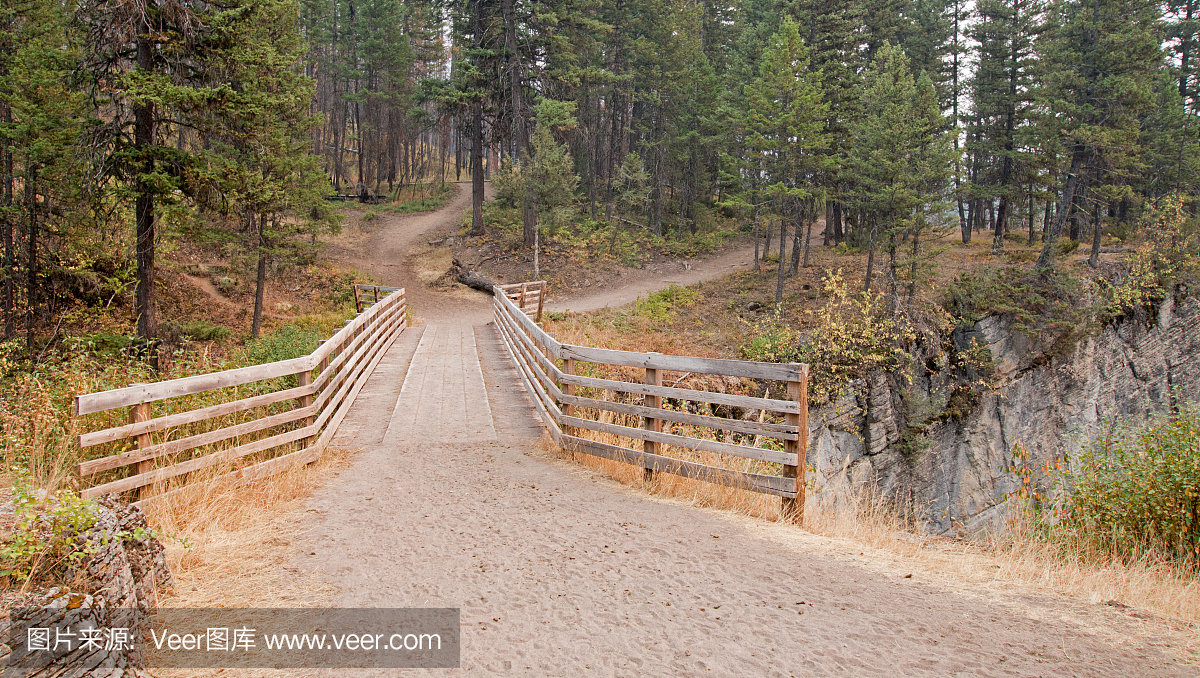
(529, 297)
(368, 295)
(198, 439)
(556, 395)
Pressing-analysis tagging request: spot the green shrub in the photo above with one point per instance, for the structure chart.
(44, 537)
(291, 341)
(1137, 488)
(203, 330)
(771, 340)
(660, 306)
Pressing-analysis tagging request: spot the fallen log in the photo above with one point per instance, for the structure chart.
(472, 279)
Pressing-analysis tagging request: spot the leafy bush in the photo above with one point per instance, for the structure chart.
(660, 306)
(291, 341)
(44, 538)
(1137, 487)
(771, 340)
(854, 334)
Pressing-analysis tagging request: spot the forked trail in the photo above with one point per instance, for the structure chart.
(453, 502)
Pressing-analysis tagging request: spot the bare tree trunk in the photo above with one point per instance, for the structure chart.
(871, 254)
(1078, 158)
(144, 139)
(477, 144)
(9, 263)
(260, 282)
(782, 263)
(31, 266)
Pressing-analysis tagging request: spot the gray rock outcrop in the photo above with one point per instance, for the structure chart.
(951, 459)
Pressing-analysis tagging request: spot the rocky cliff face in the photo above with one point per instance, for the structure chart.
(949, 454)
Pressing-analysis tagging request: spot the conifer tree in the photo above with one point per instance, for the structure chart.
(786, 124)
(1103, 57)
(902, 155)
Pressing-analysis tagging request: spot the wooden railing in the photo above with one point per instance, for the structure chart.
(550, 371)
(529, 297)
(366, 295)
(290, 423)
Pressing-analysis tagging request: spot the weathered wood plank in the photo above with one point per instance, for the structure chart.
(146, 393)
(346, 332)
(749, 481)
(537, 333)
(167, 472)
(650, 435)
(746, 402)
(234, 479)
(340, 413)
(678, 363)
(93, 466)
(109, 435)
(547, 420)
(776, 431)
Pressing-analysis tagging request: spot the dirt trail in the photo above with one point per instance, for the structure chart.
(397, 250)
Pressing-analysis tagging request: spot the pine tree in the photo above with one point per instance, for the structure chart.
(1001, 100)
(786, 124)
(1103, 57)
(902, 155)
(142, 64)
(257, 161)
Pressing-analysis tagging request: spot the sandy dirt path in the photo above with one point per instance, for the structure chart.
(561, 572)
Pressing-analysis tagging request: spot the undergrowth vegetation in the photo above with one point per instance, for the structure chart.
(1134, 493)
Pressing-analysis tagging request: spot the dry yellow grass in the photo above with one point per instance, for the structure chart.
(231, 546)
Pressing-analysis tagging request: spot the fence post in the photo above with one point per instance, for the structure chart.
(139, 413)
(653, 378)
(569, 389)
(541, 304)
(357, 301)
(305, 379)
(797, 391)
(521, 303)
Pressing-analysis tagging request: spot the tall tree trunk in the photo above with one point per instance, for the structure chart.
(871, 253)
(808, 224)
(32, 296)
(1078, 158)
(9, 262)
(477, 135)
(782, 262)
(260, 282)
(963, 225)
(144, 139)
(839, 234)
(799, 213)
(659, 170)
(1097, 233)
(756, 259)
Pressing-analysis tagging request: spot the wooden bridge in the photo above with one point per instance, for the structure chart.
(448, 503)
(244, 424)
